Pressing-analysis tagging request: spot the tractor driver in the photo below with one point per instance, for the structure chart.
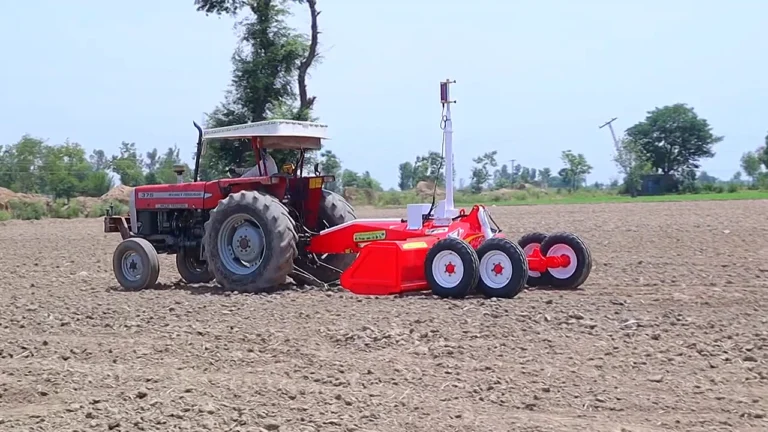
(268, 161)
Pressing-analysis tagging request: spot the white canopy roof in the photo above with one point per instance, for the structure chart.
(275, 134)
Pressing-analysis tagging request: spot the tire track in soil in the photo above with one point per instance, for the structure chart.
(669, 333)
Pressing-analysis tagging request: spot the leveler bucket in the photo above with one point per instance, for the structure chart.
(388, 267)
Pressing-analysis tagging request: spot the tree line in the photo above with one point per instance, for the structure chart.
(64, 171)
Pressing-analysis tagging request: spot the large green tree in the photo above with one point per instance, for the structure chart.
(269, 78)
(674, 138)
(576, 169)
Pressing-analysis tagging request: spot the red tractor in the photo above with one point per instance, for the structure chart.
(249, 233)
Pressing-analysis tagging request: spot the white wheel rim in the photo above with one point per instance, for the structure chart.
(241, 244)
(563, 272)
(447, 269)
(496, 269)
(132, 266)
(529, 250)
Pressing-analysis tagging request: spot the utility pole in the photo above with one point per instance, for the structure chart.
(609, 123)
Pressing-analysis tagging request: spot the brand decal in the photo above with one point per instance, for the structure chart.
(459, 233)
(370, 236)
(166, 195)
(436, 230)
(172, 206)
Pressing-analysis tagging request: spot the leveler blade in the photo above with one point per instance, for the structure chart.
(388, 267)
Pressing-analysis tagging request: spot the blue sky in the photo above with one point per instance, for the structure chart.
(534, 77)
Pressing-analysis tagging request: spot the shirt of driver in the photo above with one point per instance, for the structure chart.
(256, 171)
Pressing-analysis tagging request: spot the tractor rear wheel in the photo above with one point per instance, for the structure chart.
(191, 268)
(334, 211)
(576, 273)
(250, 242)
(135, 264)
(451, 268)
(529, 242)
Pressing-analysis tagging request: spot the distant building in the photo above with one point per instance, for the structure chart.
(658, 184)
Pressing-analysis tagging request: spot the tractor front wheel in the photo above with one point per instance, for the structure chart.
(334, 211)
(451, 268)
(191, 268)
(503, 268)
(135, 264)
(250, 242)
(576, 273)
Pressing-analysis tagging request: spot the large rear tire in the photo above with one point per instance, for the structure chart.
(135, 264)
(250, 242)
(334, 211)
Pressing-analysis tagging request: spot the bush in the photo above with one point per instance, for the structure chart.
(100, 210)
(63, 211)
(26, 210)
(733, 188)
(4, 216)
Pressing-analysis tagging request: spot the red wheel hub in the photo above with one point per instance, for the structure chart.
(450, 268)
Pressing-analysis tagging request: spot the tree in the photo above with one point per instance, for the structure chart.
(368, 182)
(480, 174)
(750, 164)
(502, 178)
(349, 178)
(576, 169)
(674, 138)
(128, 165)
(632, 163)
(428, 168)
(405, 180)
(544, 175)
(270, 64)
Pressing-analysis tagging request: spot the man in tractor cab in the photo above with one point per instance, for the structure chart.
(267, 160)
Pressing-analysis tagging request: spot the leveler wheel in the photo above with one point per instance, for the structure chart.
(250, 242)
(334, 210)
(572, 276)
(191, 268)
(135, 264)
(503, 268)
(451, 268)
(529, 242)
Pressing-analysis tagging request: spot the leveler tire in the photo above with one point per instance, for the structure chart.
(527, 242)
(569, 244)
(269, 223)
(503, 268)
(334, 210)
(451, 268)
(135, 264)
(191, 268)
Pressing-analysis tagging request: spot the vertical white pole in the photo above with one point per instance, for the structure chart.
(448, 134)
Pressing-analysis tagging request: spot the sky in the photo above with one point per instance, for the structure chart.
(534, 78)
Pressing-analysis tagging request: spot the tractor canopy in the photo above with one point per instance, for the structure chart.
(274, 134)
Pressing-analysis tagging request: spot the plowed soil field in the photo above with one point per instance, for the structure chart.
(669, 333)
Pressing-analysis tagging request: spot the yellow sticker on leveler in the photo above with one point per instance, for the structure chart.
(370, 235)
(415, 245)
